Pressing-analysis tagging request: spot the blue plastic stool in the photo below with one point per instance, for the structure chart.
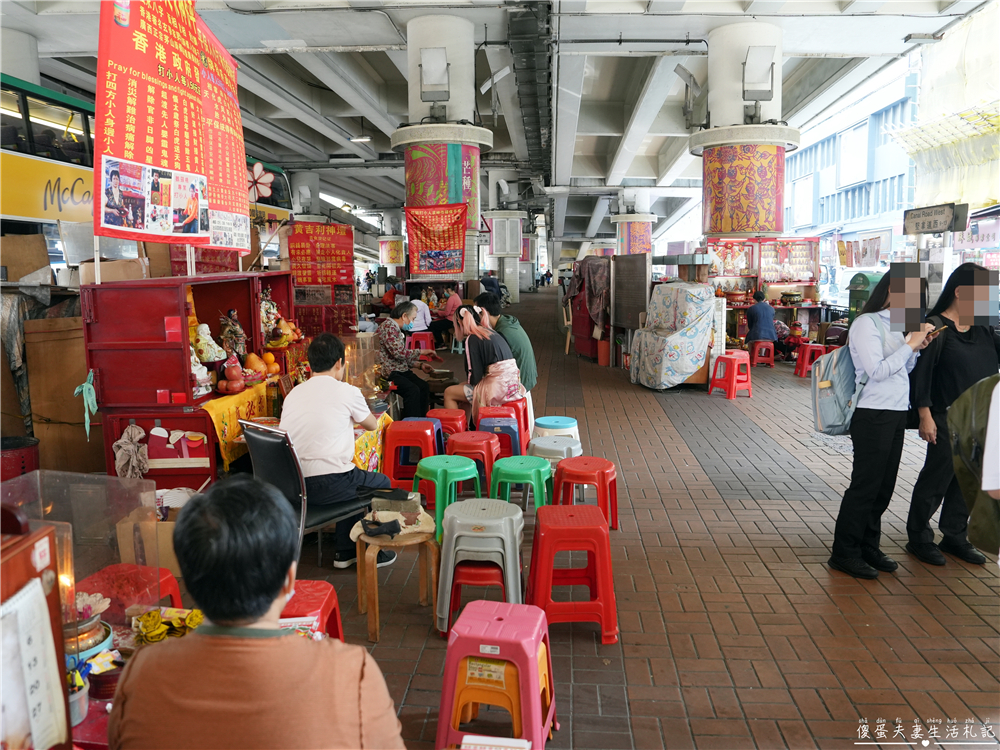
(404, 453)
(554, 426)
(507, 430)
(457, 347)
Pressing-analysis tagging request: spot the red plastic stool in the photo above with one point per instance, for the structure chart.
(420, 340)
(831, 347)
(479, 446)
(583, 470)
(316, 599)
(762, 353)
(520, 407)
(469, 573)
(496, 412)
(564, 528)
(735, 376)
(452, 421)
(808, 354)
(126, 584)
(406, 435)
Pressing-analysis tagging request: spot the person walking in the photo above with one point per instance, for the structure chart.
(877, 427)
(963, 354)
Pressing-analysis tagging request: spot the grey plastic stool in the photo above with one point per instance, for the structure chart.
(480, 529)
(555, 448)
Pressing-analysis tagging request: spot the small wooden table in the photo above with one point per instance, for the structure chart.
(368, 572)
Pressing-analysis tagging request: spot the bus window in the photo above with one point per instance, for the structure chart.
(11, 123)
(58, 132)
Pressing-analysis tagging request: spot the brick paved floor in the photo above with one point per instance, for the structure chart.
(735, 634)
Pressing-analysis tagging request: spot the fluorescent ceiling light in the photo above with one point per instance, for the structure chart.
(360, 139)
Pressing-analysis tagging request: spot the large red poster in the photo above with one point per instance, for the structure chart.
(437, 238)
(322, 257)
(225, 155)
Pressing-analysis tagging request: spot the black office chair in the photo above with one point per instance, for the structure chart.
(275, 462)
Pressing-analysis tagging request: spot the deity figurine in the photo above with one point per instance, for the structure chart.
(234, 340)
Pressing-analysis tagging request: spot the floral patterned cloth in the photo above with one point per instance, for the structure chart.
(368, 445)
(501, 384)
(392, 353)
(674, 343)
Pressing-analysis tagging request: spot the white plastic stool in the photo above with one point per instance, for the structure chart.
(555, 448)
(556, 426)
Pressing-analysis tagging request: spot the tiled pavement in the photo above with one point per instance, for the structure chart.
(735, 634)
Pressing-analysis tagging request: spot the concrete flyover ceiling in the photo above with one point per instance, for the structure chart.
(590, 103)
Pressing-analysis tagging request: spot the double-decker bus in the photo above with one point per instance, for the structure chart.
(46, 159)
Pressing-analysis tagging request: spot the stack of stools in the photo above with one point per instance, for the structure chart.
(423, 340)
(554, 449)
(808, 354)
(400, 435)
(554, 426)
(531, 471)
(501, 421)
(480, 530)
(453, 421)
(438, 430)
(762, 353)
(520, 407)
(574, 528)
(499, 654)
(735, 375)
(446, 473)
(479, 446)
(588, 470)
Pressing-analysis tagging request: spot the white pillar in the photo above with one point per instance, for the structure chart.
(19, 55)
(305, 192)
(727, 50)
(392, 221)
(456, 35)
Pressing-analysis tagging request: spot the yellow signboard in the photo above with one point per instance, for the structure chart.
(36, 189)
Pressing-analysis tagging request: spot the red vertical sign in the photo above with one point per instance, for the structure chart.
(225, 154)
(322, 257)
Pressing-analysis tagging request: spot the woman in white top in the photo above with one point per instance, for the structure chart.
(878, 424)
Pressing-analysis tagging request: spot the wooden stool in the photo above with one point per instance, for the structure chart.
(368, 572)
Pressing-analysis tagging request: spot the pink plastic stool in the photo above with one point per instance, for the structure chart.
(420, 340)
(492, 632)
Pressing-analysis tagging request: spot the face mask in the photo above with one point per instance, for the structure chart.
(408, 326)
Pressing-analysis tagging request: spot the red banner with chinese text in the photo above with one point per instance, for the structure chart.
(322, 258)
(436, 237)
(225, 154)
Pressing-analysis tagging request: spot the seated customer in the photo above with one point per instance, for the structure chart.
(760, 320)
(520, 345)
(422, 321)
(493, 376)
(238, 681)
(451, 305)
(396, 361)
(319, 417)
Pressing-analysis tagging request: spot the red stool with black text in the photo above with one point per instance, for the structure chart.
(808, 354)
(400, 435)
(584, 470)
(574, 528)
(735, 375)
(762, 353)
(479, 446)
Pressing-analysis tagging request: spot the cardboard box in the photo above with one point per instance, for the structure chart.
(22, 254)
(158, 254)
(115, 270)
(155, 535)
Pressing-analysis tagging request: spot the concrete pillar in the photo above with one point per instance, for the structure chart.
(743, 166)
(19, 55)
(305, 192)
(392, 221)
(635, 233)
(456, 36)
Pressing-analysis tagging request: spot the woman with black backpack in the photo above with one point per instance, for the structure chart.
(878, 423)
(965, 352)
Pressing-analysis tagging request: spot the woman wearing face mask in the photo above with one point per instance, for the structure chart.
(493, 375)
(396, 361)
(960, 356)
(877, 427)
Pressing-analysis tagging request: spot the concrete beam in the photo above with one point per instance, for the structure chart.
(68, 73)
(674, 158)
(601, 118)
(648, 105)
(677, 215)
(816, 84)
(345, 77)
(598, 215)
(569, 88)
(269, 81)
(281, 135)
(499, 58)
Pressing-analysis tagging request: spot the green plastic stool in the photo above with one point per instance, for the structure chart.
(446, 472)
(529, 470)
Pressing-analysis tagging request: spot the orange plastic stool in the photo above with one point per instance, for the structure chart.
(735, 376)
(473, 573)
(564, 528)
(452, 421)
(316, 599)
(420, 340)
(479, 446)
(762, 353)
(808, 354)
(403, 434)
(583, 470)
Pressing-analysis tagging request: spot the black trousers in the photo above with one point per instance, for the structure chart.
(414, 391)
(329, 489)
(937, 487)
(877, 435)
(439, 328)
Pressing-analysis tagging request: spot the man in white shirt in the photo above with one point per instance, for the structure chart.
(423, 319)
(319, 417)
